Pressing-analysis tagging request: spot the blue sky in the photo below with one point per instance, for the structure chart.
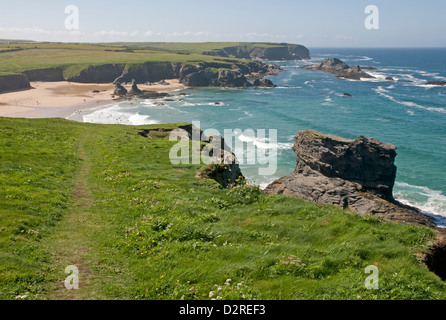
(317, 23)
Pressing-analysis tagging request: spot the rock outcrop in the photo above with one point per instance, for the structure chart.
(283, 51)
(226, 171)
(123, 94)
(341, 69)
(264, 83)
(435, 83)
(202, 76)
(119, 90)
(353, 174)
(134, 91)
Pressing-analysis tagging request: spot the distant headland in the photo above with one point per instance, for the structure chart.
(194, 64)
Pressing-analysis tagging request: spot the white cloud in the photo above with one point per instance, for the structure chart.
(39, 34)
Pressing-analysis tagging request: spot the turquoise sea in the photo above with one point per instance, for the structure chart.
(404, 112)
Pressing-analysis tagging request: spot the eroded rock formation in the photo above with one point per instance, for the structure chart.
(341, 69)
(353, 174)
(226, 170)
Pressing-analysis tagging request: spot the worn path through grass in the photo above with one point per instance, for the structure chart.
(74, 243)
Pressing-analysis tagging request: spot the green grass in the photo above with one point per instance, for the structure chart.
(190, 47)
(109, 201)
(17, 58)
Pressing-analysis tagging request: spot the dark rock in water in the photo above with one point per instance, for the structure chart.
(119, 90)
(389, 79)
(153, 95)
(353, 174)
(134, 90)
(330, 65)
(347, 95)
(341, 69)
(368, 68)
(436, 83)
(264, 83)
(96, 91)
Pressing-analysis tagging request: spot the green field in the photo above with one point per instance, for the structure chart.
(15, 58)
(108, 200)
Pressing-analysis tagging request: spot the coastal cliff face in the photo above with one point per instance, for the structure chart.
(49, 74)
(149, 72)
(14, 82)
(98, 74)
(202, 74)
(353, 174)
(281, 52)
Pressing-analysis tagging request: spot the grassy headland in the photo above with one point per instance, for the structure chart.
(16, 58)
(108, 200)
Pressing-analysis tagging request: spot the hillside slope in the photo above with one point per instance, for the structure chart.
(106, 199)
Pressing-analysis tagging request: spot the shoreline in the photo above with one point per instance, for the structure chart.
(63, 99)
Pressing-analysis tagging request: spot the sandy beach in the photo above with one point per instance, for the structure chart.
(61, 99)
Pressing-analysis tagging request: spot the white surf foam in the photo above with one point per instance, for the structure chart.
(215, 104)
(434, 202)
(265, 143)
(115, 115)
(383, 92)
(248, 115)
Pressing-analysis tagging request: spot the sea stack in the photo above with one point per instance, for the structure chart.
(135, 90)
(353, 174)
(340, 69)
(119, 90)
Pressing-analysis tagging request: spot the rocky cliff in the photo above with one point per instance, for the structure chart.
(353, 174)
(227, 172)
(200, 74)
(283, 51)
(341, 69)
(14, 82)
(49, 74)
(98, 74)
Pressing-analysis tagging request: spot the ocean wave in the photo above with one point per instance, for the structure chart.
(265, 143)
(150, 103)
(288, 87)
(428, 201)
(383, 92)
(248, 115)
(378, 75)
(192, 104)
(328, 101)
(113, 115)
